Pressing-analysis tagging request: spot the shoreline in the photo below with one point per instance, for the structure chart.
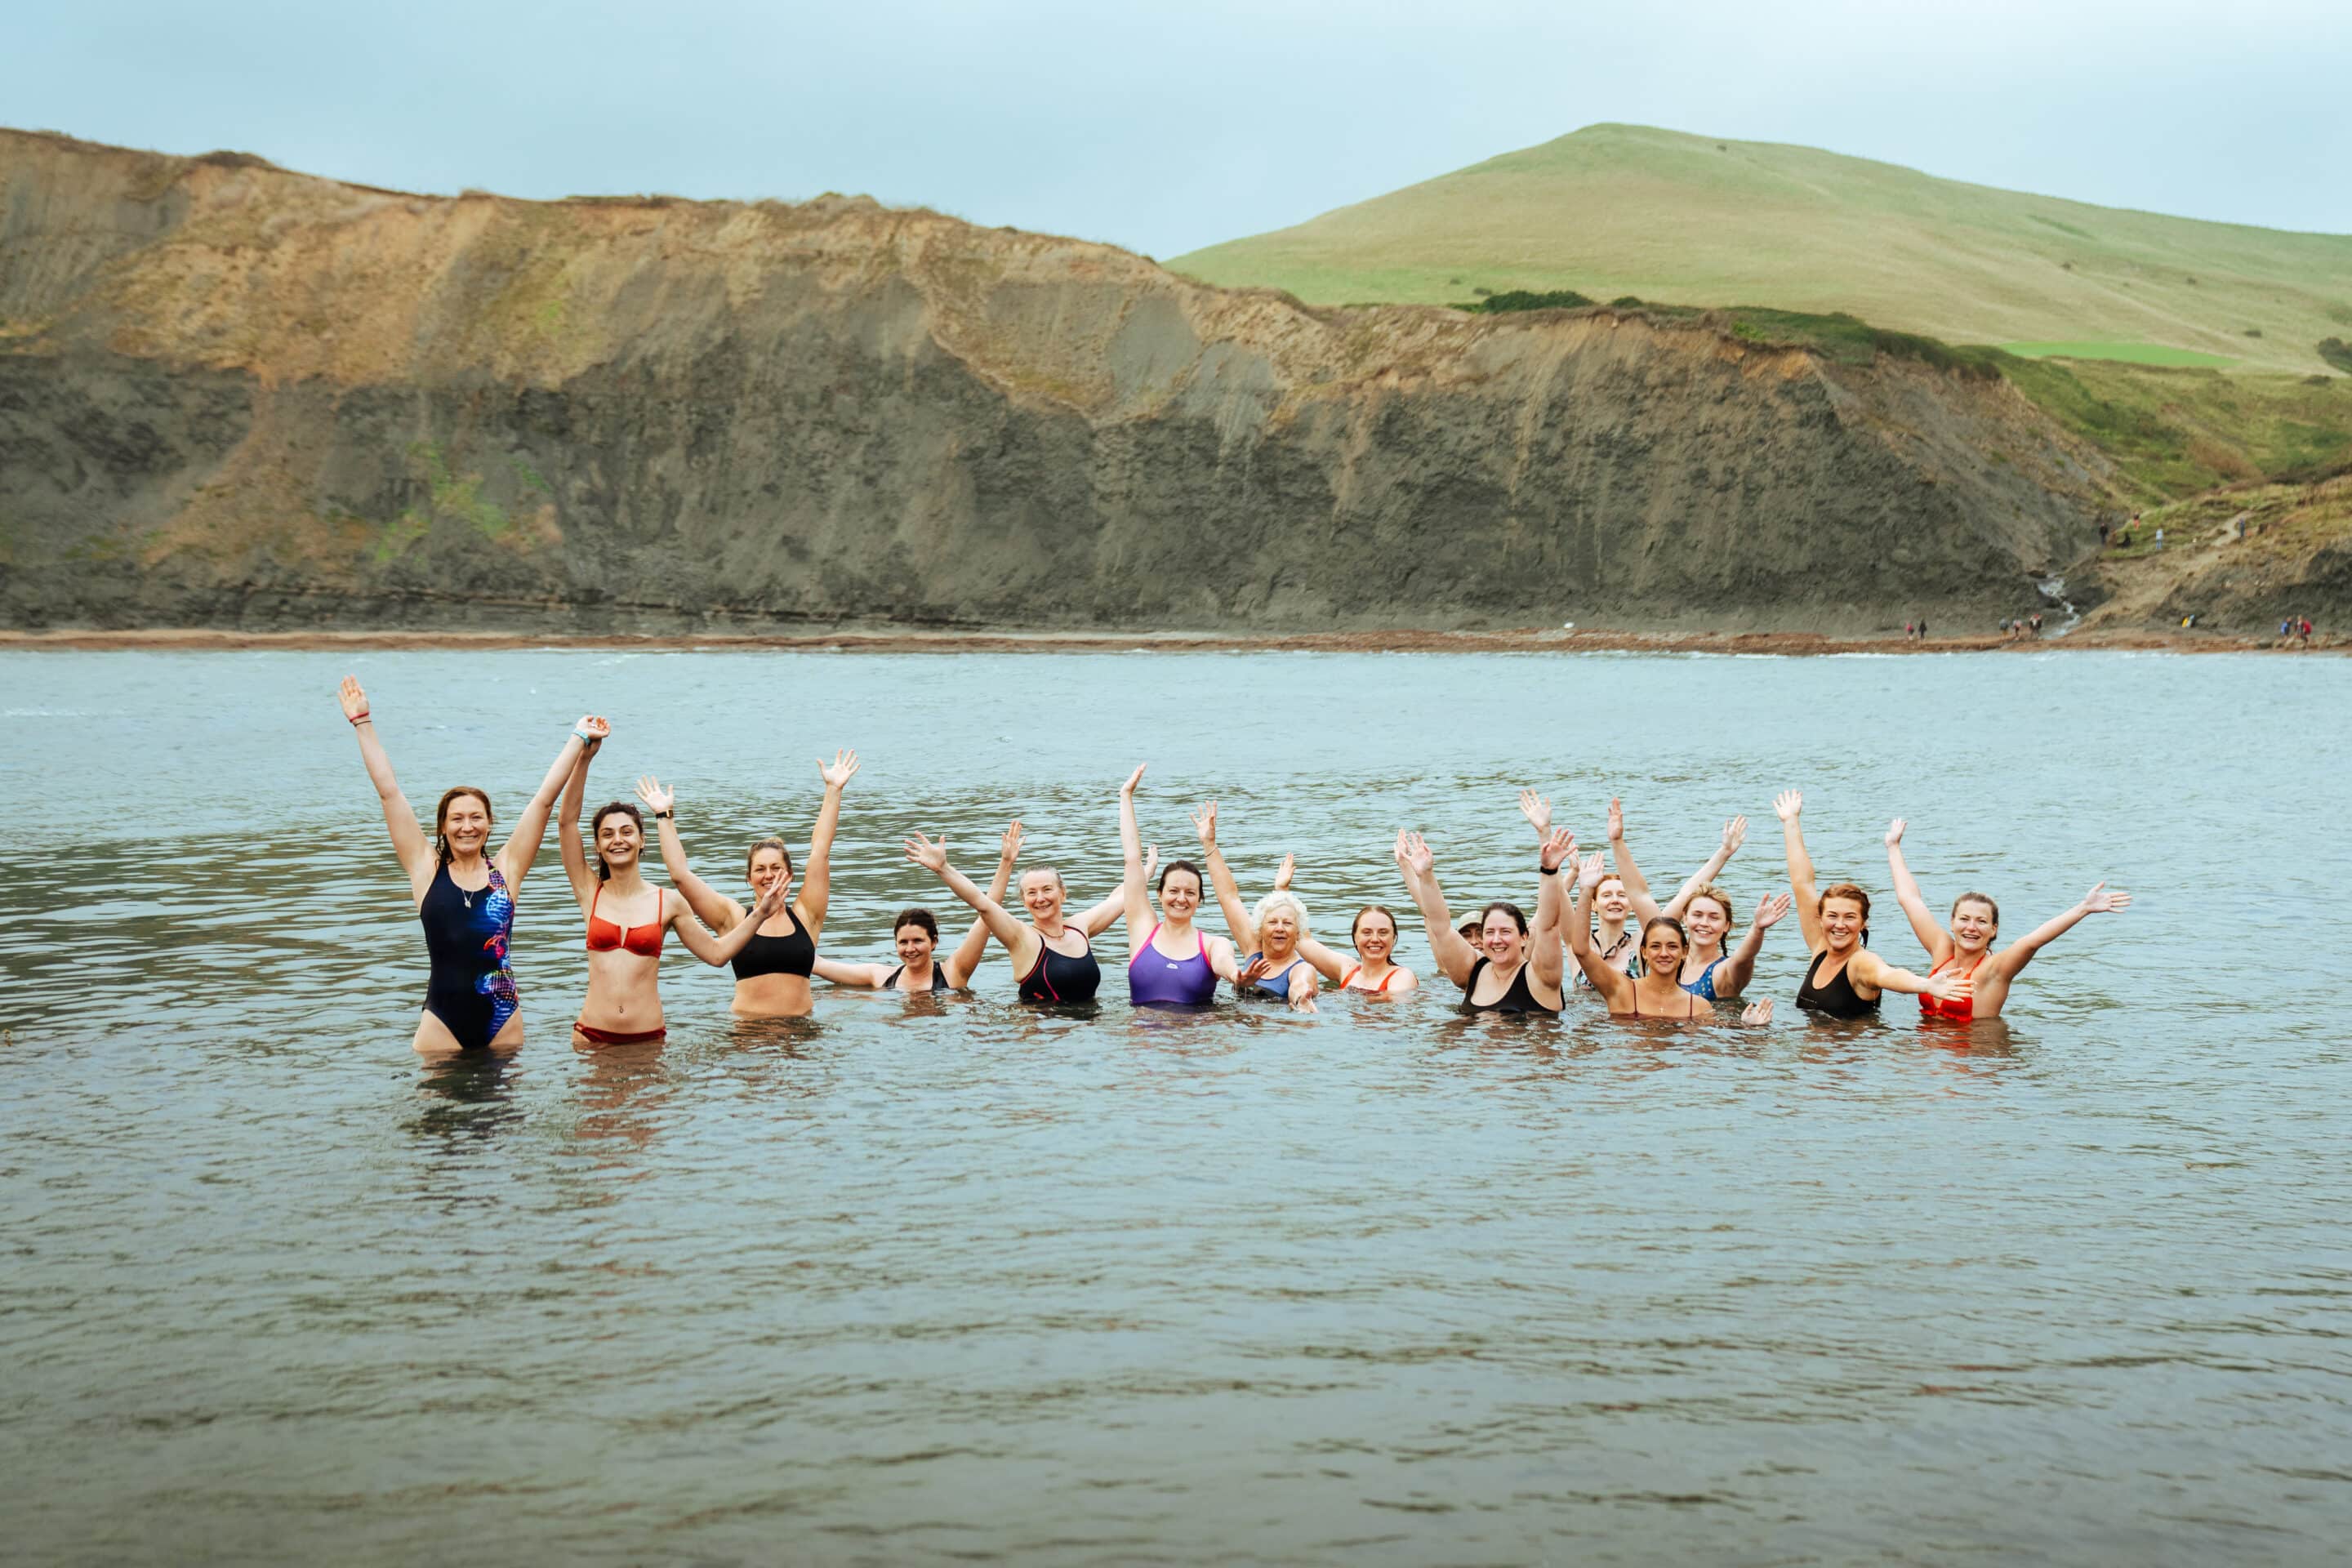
(1523, 640)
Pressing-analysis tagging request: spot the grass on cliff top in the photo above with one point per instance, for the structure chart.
(2121, 353)
(2174, 432)
(1619, 210)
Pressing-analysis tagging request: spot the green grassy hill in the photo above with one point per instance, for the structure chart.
(1616, 210)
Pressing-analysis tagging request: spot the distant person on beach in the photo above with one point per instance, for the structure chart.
(1923, 631)
(772, 971)
(1160, 971)
(1845, 979)
(1513, 969)
(916, 935)
(2102, 534)
(625, 937)
(465, 898)
(2305, 629)
(1967, 948)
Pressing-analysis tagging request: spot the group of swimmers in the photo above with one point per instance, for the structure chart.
(1639, 958)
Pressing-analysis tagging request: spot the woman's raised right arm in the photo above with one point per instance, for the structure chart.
(1221, 879)
(1932, 937)
(1605, 976)
(1445, 944)
(1021, 944)
(1789, 804)
(712, 907)
(408, 840)
(522, 852)
(567, 827)
(1135, 904)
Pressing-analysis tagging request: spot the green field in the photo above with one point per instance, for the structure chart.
(1616, 210)
(2122, 354)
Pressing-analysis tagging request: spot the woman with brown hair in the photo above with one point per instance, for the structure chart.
(1967, 948)
(623, 1003)
(1658, 990)
(1512, 969)
(1845, 979)
(916, 934)
(465, 898)
(772, 972)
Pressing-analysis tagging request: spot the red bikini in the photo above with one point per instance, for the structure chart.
(603, 936)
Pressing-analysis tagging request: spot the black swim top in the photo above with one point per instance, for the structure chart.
(1838, 999)
(939, 976)
(1059, 977)
(795, 953)
(1516, 998)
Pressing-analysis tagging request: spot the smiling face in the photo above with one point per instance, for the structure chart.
(1042, 893)
(1501, 939)
(769, 867)
(1663, 948)
(1975, 923)
(1706, 919)
(1842, 920)
(1375, 936)
(619, 839)
(915, 944)
(464, 822)
(1179, 893)
(1610, 899)
(1278, 932)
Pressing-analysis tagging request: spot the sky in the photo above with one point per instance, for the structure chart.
(1165, 128)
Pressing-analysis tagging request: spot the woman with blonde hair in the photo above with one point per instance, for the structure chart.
(1967, 948)
(1845, 979)
(1273, 935)
(1658, 990)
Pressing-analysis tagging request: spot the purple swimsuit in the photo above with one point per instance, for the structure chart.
(1156, 980)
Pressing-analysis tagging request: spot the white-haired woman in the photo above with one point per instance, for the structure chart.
(1270, 934)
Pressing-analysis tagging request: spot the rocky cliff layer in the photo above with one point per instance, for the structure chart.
(232, 395)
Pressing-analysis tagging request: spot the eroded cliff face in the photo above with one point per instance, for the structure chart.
(235, 397)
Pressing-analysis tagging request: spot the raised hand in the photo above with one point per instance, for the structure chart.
(1558, 847)
(930, 855)
(1588, 874)
(1133, 779)
(1009, 851)
(2103, 899)
(1283, 874)
(355, 702)
(844, 762)
(1734, 834)
(771, 903)
(1538, 811)
(1894, 833)
(1768, 911)
(1413, 855)
(1788, 804)
(1205, 823)
(657, 799)
(1757, 1012)
(1616, 821)
(1150, 860)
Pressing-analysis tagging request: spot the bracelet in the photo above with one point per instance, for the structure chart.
(582, 733)
(359, 718)
(664, 816)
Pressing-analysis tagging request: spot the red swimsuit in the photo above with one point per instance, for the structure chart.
(1958, 1012)
(603, 936)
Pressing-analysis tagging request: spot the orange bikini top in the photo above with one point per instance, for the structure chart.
(603, 936)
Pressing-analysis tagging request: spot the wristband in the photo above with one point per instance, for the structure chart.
(664, 816)
(583, 734)
(359, 718)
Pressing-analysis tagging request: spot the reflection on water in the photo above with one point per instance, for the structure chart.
(929, 1276)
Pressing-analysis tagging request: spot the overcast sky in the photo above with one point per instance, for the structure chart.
(1164, 127)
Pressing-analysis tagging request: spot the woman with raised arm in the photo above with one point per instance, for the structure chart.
(1274, 935)
(772, 972)
(1708, 970)
(1372, 933)
(1170, 964)
(1518, 971)
(1967, 948)
(916, 934)
(465, 898)
(1637, 887)
(1658, 990)
(1053, 957)
(1613, 904)
(624, 942)
(1845, 979)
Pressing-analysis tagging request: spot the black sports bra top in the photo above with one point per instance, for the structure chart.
(1838, 999)
(791, 953)
(938, 977)
(1059, 977)
(1515, 998)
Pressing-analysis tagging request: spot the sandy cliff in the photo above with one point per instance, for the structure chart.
(233, 395)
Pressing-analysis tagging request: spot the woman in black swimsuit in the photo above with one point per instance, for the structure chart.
(1054, 958)
(1520, 971)
(1657, 992)
(772, 972)
(1845, 979)
(916, 934)
(465, 895)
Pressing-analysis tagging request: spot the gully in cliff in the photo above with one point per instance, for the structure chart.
(466, 900)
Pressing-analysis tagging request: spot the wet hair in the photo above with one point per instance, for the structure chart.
(1846, 890)
(1173, 866)
(441, 817)
(1042, 871)
(1654, 921)
(923, 918)
(1712, 891)
(1518, 916)
(751, 857)
(596, 825)
(1977, 899)
(1281, 898)
(1369, 910)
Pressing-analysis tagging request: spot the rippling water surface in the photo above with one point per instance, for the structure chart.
(918, 1280)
